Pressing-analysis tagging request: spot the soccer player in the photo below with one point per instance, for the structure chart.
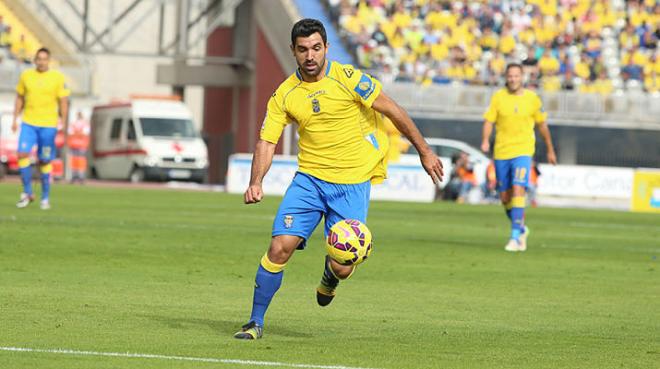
(40, 94)
(515, 111)
(342, 149)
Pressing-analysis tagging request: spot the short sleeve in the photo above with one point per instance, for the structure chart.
(276, 119)
(491, 114)
(540, 115)
(20, 87)
(364, 87)
(62, 90)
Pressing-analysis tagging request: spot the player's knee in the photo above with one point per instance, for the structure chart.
(281, 248)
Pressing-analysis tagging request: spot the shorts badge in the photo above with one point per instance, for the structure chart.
(288, 221)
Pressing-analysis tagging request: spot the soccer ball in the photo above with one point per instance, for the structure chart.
(349, 242)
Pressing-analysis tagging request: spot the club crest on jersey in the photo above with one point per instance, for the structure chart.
(316, 107)
(288, 221)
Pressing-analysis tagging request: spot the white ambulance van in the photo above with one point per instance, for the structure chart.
(146, 138)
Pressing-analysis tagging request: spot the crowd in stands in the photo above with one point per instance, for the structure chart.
(17, 46)
(592, 46)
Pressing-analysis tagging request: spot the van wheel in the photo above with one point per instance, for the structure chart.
(137, 175)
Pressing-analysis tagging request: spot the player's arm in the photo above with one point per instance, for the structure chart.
(547, 138)
(430, 161)
(261, 161)
(486, 131)
(18, 108)
(64, 114)
(20, 102)
(490, 117)
(540, 117)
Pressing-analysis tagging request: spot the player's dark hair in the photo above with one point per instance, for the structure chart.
(513, 65)
(307, 27)
(43, 50)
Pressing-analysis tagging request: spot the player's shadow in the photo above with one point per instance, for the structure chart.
(222, 327)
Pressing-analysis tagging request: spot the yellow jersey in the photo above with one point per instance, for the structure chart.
(41, 91)
(341, 139)
(514, 117)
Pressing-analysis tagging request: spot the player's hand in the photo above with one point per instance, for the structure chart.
(485, 146)
(432, 165)
(253, 194)
(14, 126)
(552, 158)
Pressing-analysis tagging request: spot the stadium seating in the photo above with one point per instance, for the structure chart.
(16, 40)
(599, 46)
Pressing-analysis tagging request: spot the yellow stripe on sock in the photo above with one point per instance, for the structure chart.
(46, 168)
(23, 162)
(270, 266)
(518, 202)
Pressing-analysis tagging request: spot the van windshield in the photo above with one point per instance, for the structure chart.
(167, 127)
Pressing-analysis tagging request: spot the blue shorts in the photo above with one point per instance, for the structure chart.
(43, 137)
(512, 172)
(308, 198)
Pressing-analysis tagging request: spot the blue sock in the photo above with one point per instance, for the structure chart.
(26, 179)
(45, 186)
(266, 284)
(517, 222)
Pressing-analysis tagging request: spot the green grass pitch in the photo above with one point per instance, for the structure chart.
(171, 273)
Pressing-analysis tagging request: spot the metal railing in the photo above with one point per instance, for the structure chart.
(631, 109)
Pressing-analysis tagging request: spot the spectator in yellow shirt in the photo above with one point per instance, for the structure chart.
(582, 69)
(548, 64)
(652, 83)
(507, 42)
(602, 84)
(551, 83)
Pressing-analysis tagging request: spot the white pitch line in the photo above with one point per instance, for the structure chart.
(176, 358)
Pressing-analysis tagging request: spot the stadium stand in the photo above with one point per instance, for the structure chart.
(314, 9)
(598, 46)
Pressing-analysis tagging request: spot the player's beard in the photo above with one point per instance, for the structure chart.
(511, 90)
(315, 72)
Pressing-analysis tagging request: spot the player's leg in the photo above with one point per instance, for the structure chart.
(521, 168)
(299, 213)
(504, 180)
(46, 153)
(26, 141)
(344, 202)
(504, 173)
(267, 281)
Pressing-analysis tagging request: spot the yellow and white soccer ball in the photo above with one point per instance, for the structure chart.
(349, 242)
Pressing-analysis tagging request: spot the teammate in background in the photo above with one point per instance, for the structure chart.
(342, 150)
(515, 111)
(40, 94)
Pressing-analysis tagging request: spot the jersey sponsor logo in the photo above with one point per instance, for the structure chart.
(316, 93)
(348, 72)
(316, 107)
(288, 221)
(365, 87)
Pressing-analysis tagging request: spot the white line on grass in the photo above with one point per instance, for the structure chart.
(177, 358)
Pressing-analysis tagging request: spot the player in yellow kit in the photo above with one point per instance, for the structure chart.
(342, 150)
(41, 95)
(515, 111)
